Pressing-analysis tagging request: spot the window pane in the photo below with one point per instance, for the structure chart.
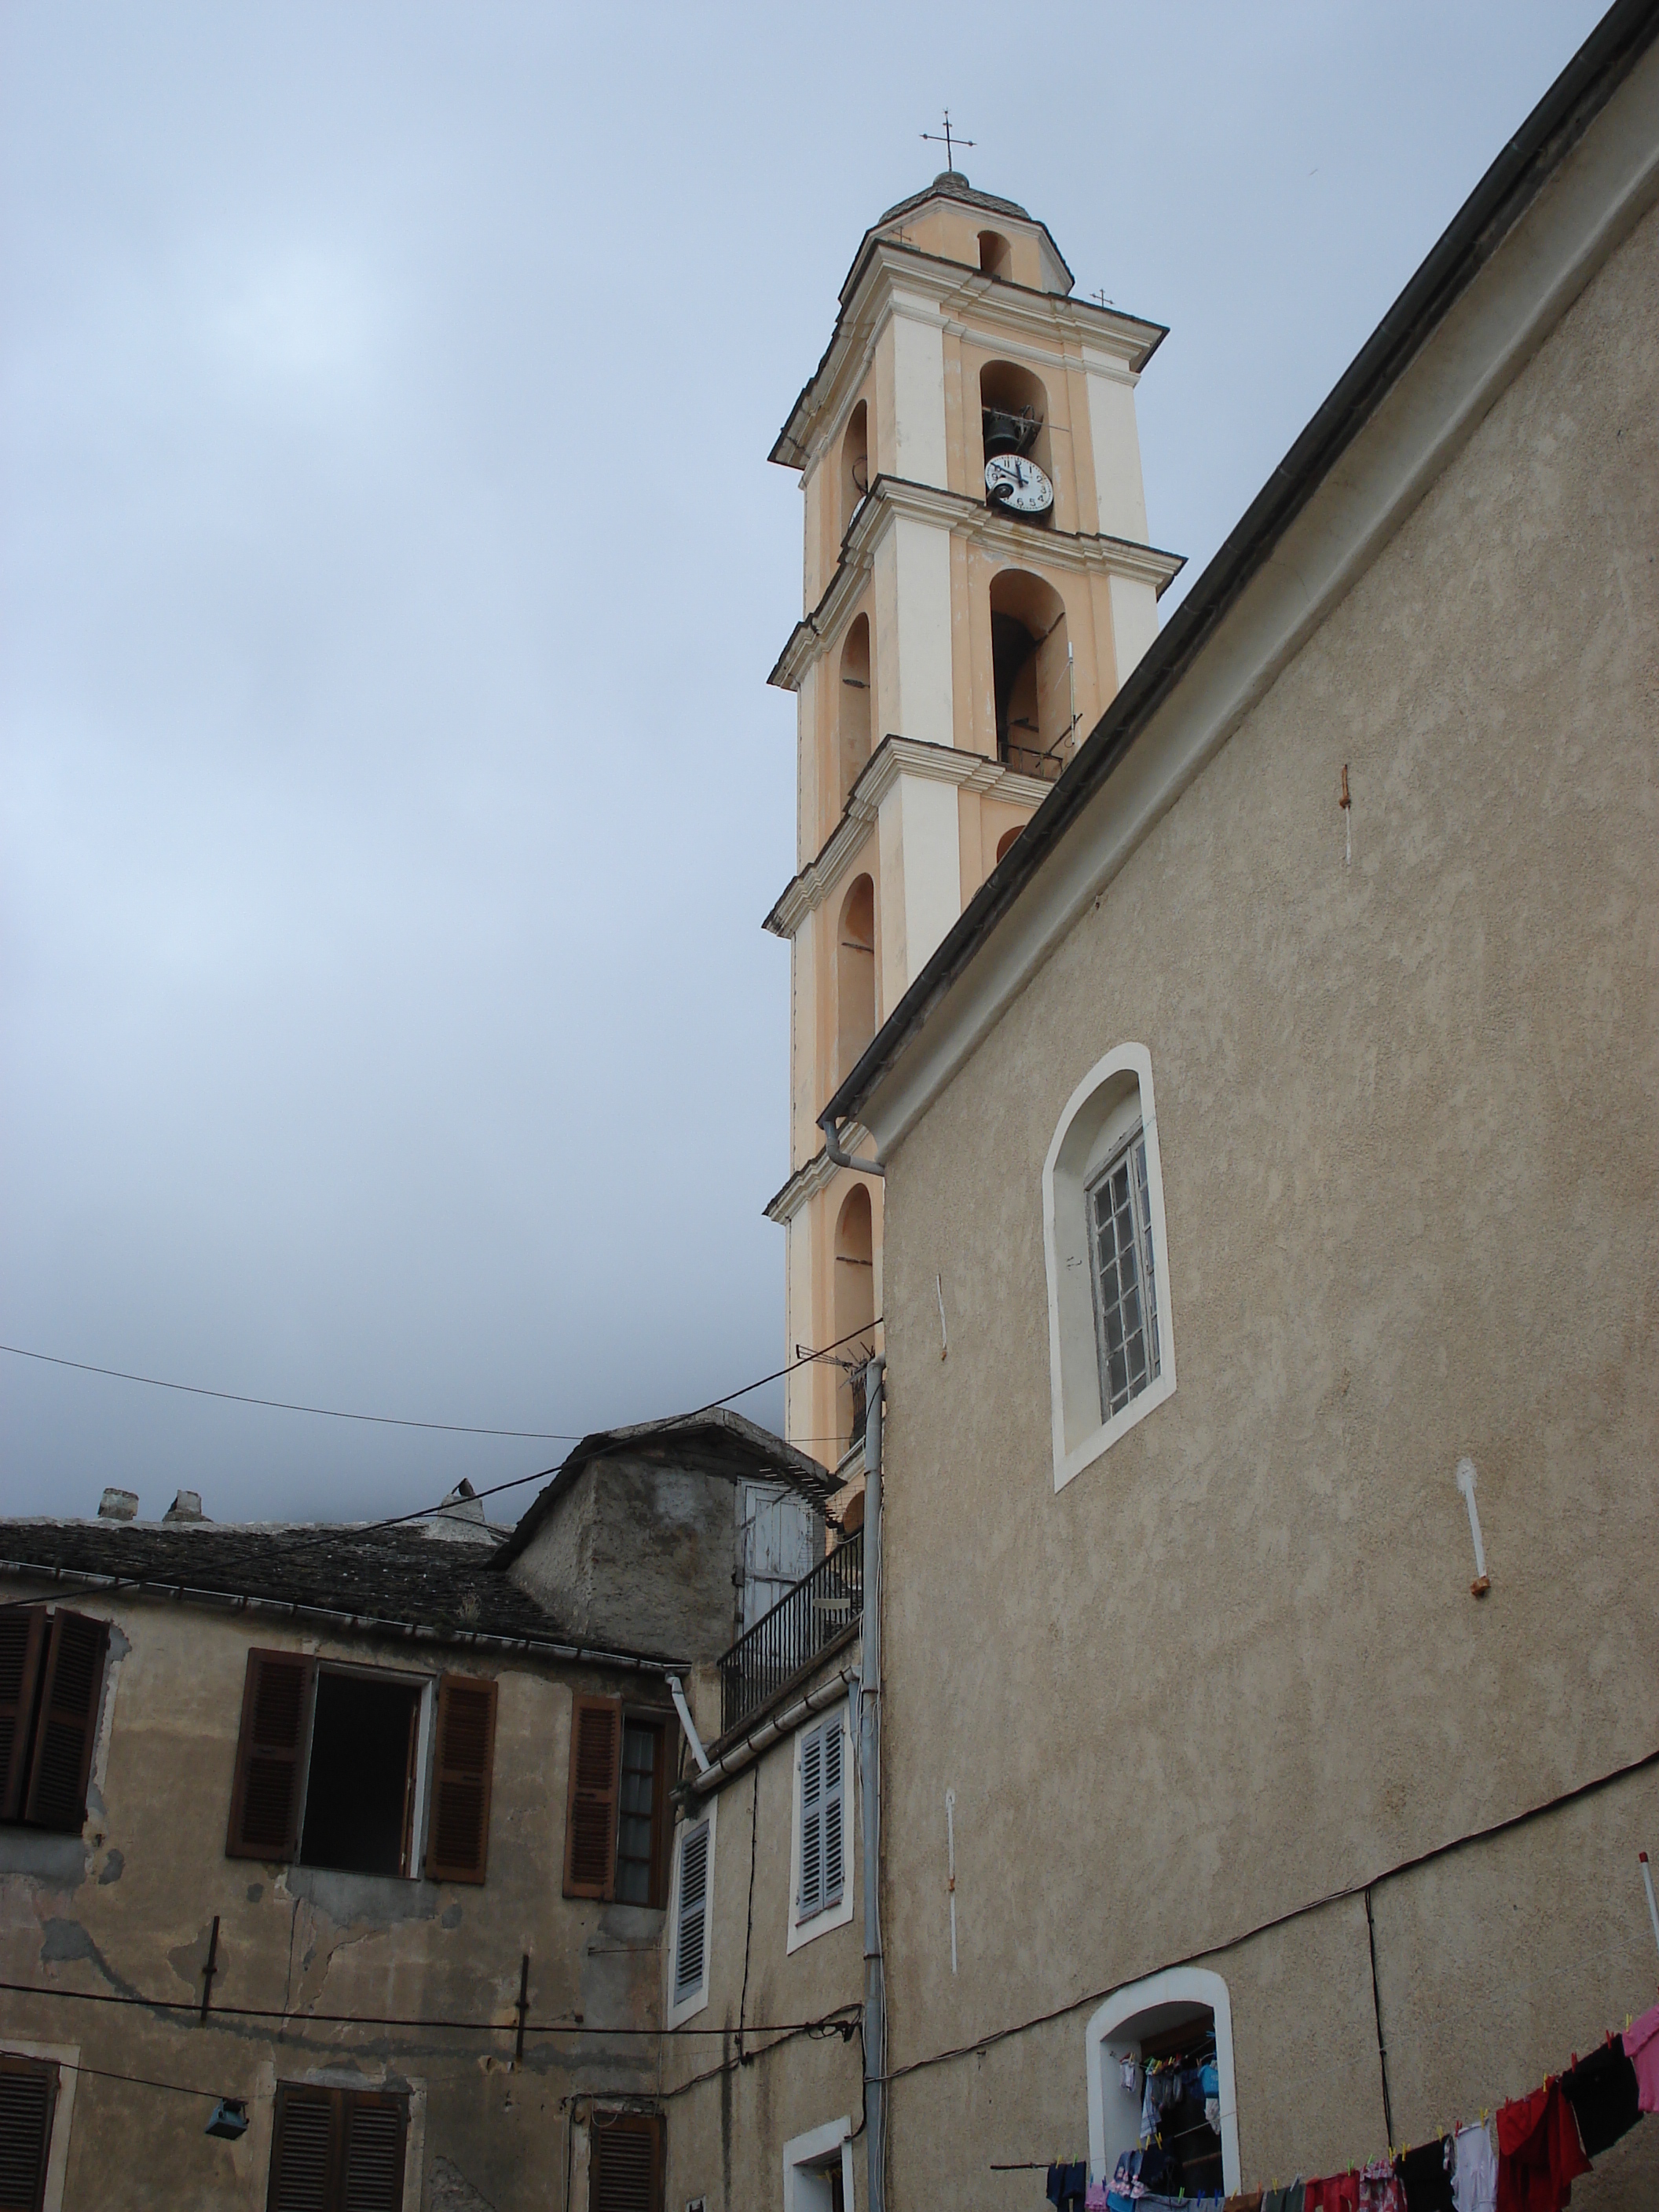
(1126, 1315)
(634, 1854)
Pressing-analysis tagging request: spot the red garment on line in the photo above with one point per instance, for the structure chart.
(1539, 2152)
(1338, 2192)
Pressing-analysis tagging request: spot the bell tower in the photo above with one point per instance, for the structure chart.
(978, 583)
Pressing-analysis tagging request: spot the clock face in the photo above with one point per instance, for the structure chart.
(1013, 482)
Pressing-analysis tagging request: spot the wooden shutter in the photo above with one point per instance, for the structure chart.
(375, 2128)
(28, 2092)
(22, 1640)
(72, 1675)
(458, 1833)
(691, 1923)
(628, 2162)
(304, 2150)
(808, 1897)
(264, 1802)
(590, 1825)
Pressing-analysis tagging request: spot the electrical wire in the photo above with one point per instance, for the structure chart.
(286, 1406)
(303, 2020)
(145, 2080)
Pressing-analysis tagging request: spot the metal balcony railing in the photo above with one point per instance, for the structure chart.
(1027, 760)
(786, 1641)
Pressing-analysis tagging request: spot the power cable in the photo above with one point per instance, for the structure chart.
(286, 1406)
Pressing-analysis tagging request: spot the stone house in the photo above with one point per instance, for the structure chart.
(1268, 1158)
(368, 1831)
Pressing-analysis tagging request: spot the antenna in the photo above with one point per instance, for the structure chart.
(948, 140)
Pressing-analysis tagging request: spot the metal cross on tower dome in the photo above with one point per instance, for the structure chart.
(948, 140)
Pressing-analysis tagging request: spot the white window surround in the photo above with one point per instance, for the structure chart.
(67, 2059)
(1116, 1092)
(1144, 2007)
(805, 2158)
(834, 1916)
(695, 2001)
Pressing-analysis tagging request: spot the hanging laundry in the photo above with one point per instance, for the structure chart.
(1133, 2079)
(1243, 2200)
(1338, 2192)
(1379, 2188)
(1474, 2170)
(1425, 2177)
(1288, 2199)
(1097, 2198)
(1539, 2154)
(1642, 2049)
(1604, 2094)
(1163, 2090)
(1066, 2185)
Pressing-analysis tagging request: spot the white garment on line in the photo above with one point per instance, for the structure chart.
(1473, 2170)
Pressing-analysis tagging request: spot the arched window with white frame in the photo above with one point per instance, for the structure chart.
(1172, 2033)
(1111, 1335)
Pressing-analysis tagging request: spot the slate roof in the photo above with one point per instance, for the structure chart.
(398, 1578)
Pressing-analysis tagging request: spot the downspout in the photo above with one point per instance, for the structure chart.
(875, 1978)
(837, 1157)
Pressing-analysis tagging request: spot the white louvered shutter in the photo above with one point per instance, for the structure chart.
(834, 1820)
(690, 1937)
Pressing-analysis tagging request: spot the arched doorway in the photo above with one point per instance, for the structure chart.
(1183, 2010)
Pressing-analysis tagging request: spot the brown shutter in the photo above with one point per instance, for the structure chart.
(458, 1833)
(29, 2091)
(22, 1640)
(590, 1825)
(264, 1802)
(628, 2162)
(373, 2151)
(72, 1675)
(304, 2151)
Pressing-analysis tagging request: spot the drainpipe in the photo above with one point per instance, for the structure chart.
(837, 1157)
(875, 1978)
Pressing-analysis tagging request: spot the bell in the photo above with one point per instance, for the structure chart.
(1005, 432)
(229, 2119)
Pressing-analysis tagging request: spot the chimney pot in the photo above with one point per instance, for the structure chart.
(186, 1506)
(119, 1506)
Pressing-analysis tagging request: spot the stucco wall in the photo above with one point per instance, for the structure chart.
(725, 2135)
(1408, 1119)
(126, 1909)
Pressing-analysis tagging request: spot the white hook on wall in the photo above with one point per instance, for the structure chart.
(1482, 1582)
(950, 1863)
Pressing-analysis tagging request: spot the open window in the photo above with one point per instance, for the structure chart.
(855, 975)
(51, 1679)
(362, 1769)
(854, 723)
(1014, 414)
(337, 2150)
(1159, 2056)
(691, 1914)
(854, 1308)
(817, 2170)
(1032, 674)
(854, 464)
(1111, 1341)
(616, 1817)
(996, 255)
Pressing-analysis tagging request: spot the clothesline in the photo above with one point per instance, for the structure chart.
(1542, 2142)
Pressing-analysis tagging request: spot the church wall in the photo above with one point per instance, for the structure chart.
(1407, 1110)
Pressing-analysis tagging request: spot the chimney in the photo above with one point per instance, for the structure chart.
(186, 1506)
(118, 1505)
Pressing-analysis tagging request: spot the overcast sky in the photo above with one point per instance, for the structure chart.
(392, 570)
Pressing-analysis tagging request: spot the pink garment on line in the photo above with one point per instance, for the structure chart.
(1642, 2049)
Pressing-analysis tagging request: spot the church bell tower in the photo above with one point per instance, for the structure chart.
(978, 585)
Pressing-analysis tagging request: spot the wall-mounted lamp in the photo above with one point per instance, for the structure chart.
(229, 2120)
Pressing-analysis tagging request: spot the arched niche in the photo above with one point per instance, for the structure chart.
(1008, 393)
(1032, 675)
(854, 1310)
(856, 975)
(853, 734)
(1005, 842)
(996, 255)
(854, 464)
(1147, 2012)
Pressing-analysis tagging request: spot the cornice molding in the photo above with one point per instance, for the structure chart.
(889, 498)
(812, 1176)
(893, 758)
